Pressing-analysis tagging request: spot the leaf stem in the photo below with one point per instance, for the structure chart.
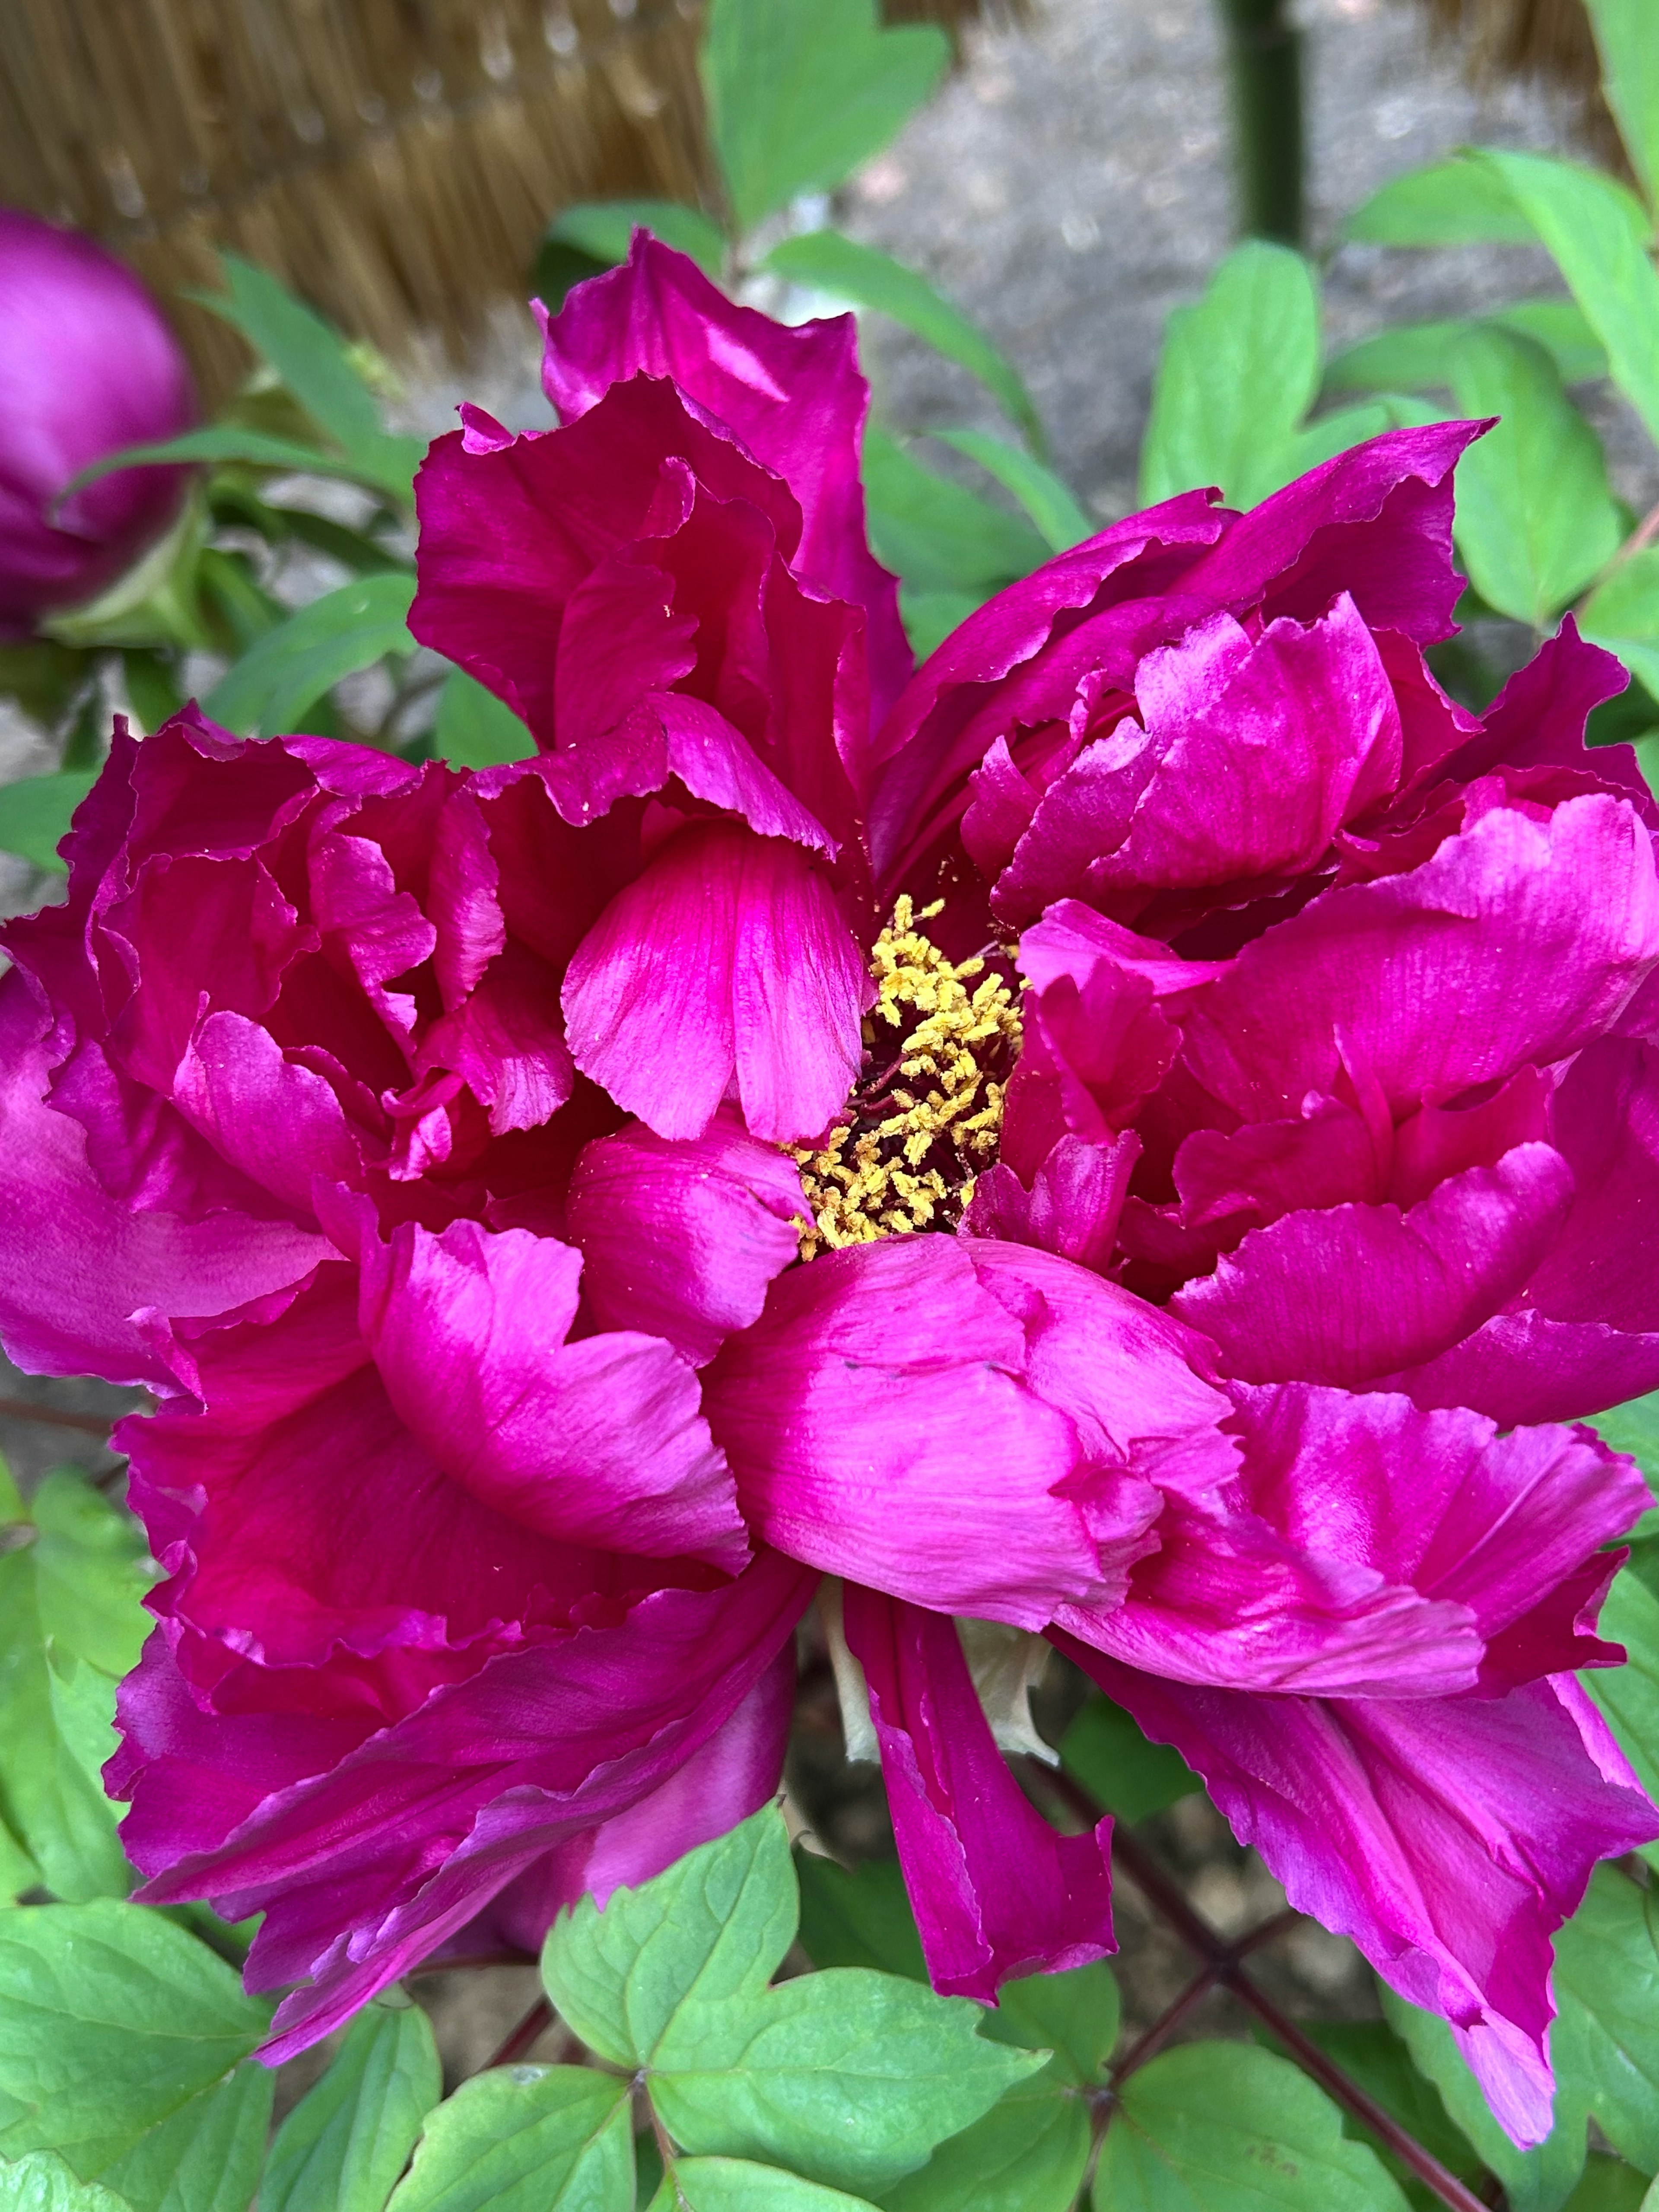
(525, 2036)
(21, 1409)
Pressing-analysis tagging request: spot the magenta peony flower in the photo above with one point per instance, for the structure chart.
(523, 1190)
(87, 365)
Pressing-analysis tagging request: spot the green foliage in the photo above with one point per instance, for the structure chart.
(1630, 78)
(475, 729)
(346, 2142)
(1535, 518)
(733, 2185)
(525, 2139)
(858, 1918)
(868, 278)
(117, 2033)
(70, 1625)
(1412, 356)
(952, 549)
(1061, 522)
(1237, 373)
(1221, 2127)
(42, 2183)
(799, 97)
(1371, 2054)
(35, 813)
(272, 687)
(601, 230)
(1104, 1748)
(1455, 202)
(1622, 614)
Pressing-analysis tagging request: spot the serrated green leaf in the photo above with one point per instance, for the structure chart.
(42, 2183)
(315, 363)
(35, 813)
(800, 96)
(1412, 356)
(1027, 2154)
(1535, 517)
(939, 536)
(714, 1926)
(1221, 2127)
(858, 1918)
(1539, 2180)
(866, 277)
(1622, 614)
(1371, 2054)
(344, 2144)
(1104, 1748)
(1061, 522)
(525, 2139)
(1453, 203)
(1604, 2042)
(847, 2076)
(112, 2022)
(603, 228)
(733, 2185)
(1238, 371)
(268, 690)
(206, 2157)
(1598, 232)
(475, 728)
(1630, 79)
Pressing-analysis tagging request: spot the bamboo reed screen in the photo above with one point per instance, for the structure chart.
(395, 161)
(1546, 38)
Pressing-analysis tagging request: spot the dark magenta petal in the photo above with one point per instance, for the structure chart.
(726, 965)
(997, 1893)
(684, 1239)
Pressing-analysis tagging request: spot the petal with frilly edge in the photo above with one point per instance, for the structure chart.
(997, 1893)
(1449, 1838)
(682, 1240)
(600, 1441)
(727, 962)
(793, 396)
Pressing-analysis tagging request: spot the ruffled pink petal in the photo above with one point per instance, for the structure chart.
(600, 1442)
(682, 1240)
(1073, 1207)
(793, 396)
(1448, 1838)
(974, 1426)
(1362, 1291)
(997, 1893)
(1519, 941)
(507, 1043)
(1523, 1366)
(726, 962)
(81, 1268)
(280, 1124)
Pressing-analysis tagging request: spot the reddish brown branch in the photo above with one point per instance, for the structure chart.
(526, 2035)
(21, 1409)
(1165, 2026)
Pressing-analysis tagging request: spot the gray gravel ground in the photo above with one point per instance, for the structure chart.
(1069, 188)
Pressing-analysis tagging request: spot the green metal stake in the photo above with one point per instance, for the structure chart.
(1264, 50)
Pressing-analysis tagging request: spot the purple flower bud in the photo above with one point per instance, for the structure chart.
(87, 365)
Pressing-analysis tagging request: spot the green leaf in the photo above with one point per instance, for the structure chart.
(475, 728)
(847, 2076)
(43, 676)
(71, 1623)
(206, 2157)
(929, 617)
(1369, 2052)
(1630, 79)
(800, 96)
(1453, 203)
(1412, 357)
(42, 2183)
(315, 363)
(1622, 614)
(732, 2185)
(525, 2139)
(1599, 232)
(939, 536)
(1074, 2015)
(1634, 1428)
(1539, 2180)
(861, 1918)
(111, 2022)
(1604, 2042)
(1535, 517)
(1327, 435)
(602, 228)
(222, 442)
(1609, 2185)
(344, 2144)
(866, 277)
(1060, 521)
(1629, 1695)
(270, 688)
(35, 813)
(1221, 2127)
(1027, 2154)
(1238, 371)
(1105, 1750)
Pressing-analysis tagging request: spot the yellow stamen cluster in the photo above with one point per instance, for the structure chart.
(919, 1127)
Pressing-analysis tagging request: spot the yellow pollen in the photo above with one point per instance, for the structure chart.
(925, 1114)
